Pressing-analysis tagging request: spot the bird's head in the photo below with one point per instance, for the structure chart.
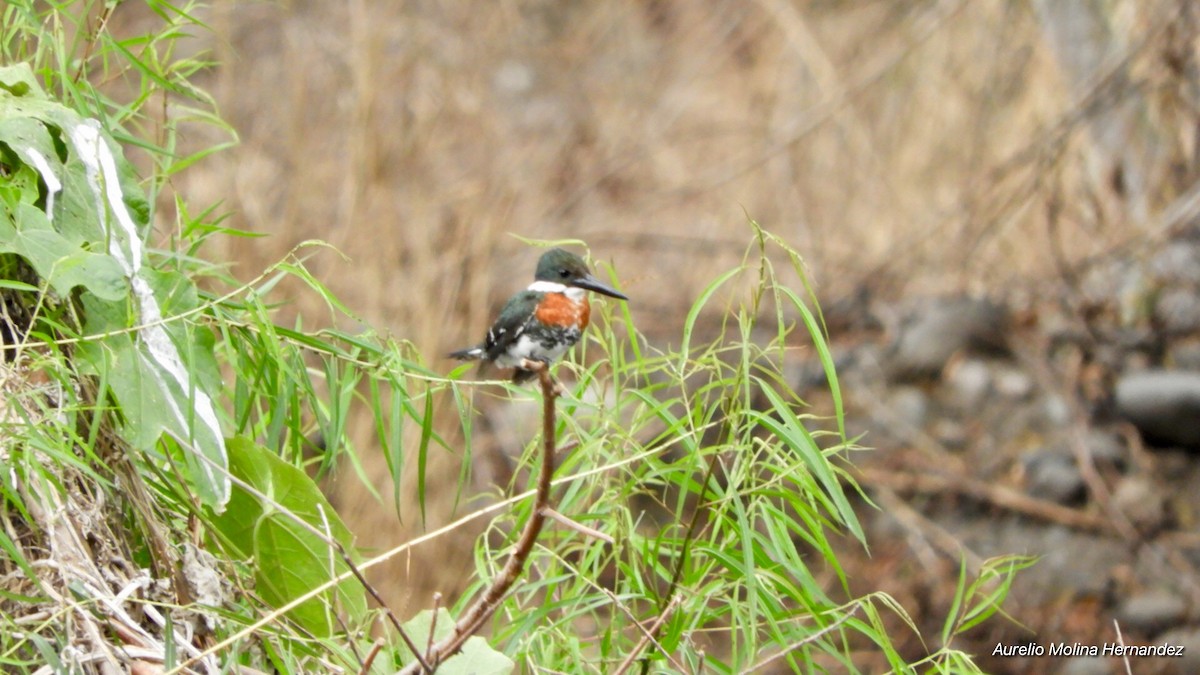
(563, 267)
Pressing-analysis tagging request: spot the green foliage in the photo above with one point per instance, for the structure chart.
(278, 517)
(476, 656)
(129, 434)
(726, 500)
(85, 229)
(727, 503)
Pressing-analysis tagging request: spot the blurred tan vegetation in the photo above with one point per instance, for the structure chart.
(906, 147)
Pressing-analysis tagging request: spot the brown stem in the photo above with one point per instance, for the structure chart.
(701, 507)
(101, 24)
(578, 526)
(437, 606)
(649, 635)
(669, 599)
(375, 649)
(387, 610)
(483, 608)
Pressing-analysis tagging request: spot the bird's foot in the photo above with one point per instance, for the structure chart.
(542, 369)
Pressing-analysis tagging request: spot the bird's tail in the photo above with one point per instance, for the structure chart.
(468, 354)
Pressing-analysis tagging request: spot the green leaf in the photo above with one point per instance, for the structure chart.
(423, 453)
(790, 429)
(290, 559)
(476, 656)
(60, 229)
(158, 395)
(18, 80)
(826, 357)
(952, 615)
(689, 324)
(63, 264)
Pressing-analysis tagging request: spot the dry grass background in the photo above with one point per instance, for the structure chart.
(906, 147)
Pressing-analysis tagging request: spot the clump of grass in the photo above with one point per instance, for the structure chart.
(718, 498)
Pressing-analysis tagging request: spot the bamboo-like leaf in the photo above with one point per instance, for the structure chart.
(689, 324)
(423, 452)
(789, 429)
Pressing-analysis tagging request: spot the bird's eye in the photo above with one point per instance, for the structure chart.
(564, 273)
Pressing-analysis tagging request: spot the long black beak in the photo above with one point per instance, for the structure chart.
(593, 284)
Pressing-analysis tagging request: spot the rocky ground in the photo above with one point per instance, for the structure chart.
(1062, 423)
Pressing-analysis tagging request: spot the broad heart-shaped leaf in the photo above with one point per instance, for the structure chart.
(63, 264)
(153, 398)
(31, 122)
(29, 142)
(18, 80)
(22, 99)
(20, 186)
(177, 295)
(289, 559)
(477, 656)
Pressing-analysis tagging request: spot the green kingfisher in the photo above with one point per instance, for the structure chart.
(541, 322)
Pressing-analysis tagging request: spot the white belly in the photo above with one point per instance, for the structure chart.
(529, 348)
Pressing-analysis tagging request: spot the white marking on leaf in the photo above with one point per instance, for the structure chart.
(101, 166)
(53, 184)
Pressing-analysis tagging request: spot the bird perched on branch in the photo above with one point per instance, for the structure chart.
(541, 322)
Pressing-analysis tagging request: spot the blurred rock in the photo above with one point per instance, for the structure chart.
(1070, 564)
(951, 433)
(809, 373)
(1142, 501)
(1184, 354)
(1056, 410)
(1164, 405)
(1013, 384)
(1151, 612)
(1100, 282)
(851, 312)
(1189, 639)
(970, 381)
(513, 78)
(1177, 263)
(910, 405)
(1115, 284)
(940, 328)
(1054, 476)
(1177, 311)
(1107, 446)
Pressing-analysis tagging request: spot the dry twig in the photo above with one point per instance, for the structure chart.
(998, 495)
(483, 608)
(649, 635)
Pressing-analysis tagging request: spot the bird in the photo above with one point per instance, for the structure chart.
(541, 322)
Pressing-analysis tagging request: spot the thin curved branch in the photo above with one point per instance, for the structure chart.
(483, 608)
